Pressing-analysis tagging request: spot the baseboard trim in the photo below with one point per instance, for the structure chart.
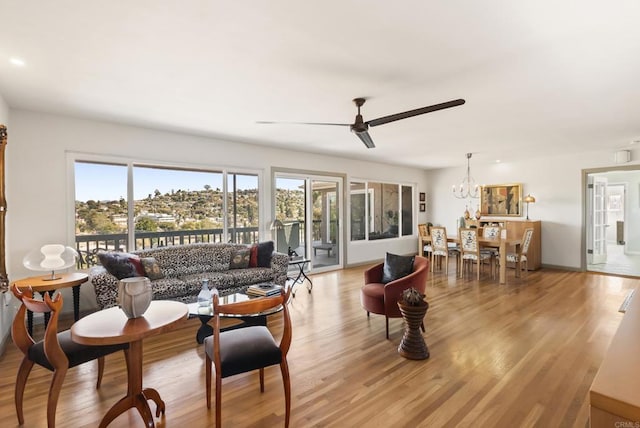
(558, 267)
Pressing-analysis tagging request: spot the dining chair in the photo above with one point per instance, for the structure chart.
(470, 250)
(249, 348)
(56, 352)
(493, 233)
(440, 248)
(424, 241)
(520, 257)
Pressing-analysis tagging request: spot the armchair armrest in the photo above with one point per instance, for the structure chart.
(373, 274)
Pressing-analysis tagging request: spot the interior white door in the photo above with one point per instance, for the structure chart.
(597, 230)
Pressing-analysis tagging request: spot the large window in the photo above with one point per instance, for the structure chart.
(380, 210)
(162, 206)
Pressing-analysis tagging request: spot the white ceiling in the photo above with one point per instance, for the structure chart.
(538, 76)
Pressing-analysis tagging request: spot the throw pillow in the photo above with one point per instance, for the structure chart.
(265, 249)
(253, 259)
(151, 268)
(120, 265)
(395, 267)
(240, 258)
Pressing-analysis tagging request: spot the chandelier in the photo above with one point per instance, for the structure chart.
(468, 187)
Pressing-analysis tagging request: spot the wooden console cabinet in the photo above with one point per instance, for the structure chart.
(515, 229)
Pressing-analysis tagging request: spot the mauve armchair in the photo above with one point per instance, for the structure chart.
(382, 298)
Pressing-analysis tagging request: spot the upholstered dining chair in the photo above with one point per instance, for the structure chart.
(494, 233)
(56, 352)
(520, 257)
(470, 250)
(440, 248)
(424, 241)
(381, 298)
(249, 348)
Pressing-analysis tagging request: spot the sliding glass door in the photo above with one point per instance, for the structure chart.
(309, 210)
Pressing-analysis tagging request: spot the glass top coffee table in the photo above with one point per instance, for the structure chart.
(205, 313)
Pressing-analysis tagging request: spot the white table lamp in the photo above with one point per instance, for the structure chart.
(50, 257)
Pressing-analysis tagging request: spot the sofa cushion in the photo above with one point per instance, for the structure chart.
(240, 258)
(251, 275)
(169, 288)
(151, 267)
(395, 267)
(253, 258)
(219, 280)
(265, 249)
(121, 265)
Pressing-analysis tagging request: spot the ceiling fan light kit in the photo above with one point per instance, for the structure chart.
(361, 128)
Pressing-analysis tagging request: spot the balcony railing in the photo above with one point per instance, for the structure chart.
(88, 246)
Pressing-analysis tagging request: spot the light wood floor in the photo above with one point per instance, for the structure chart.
(516, 355)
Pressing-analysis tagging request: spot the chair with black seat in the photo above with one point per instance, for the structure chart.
(56, 352)
(246, 349)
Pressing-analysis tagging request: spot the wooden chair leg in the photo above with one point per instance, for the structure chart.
(261, 379)
(284, 368)
(54, 393)
(208, 379)
(386, 320)
(21, 381)
(218, 398)
(100, 372)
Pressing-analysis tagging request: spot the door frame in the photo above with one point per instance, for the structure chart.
(585, 213)
(319, 175)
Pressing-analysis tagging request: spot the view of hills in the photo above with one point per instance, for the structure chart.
(183, 210)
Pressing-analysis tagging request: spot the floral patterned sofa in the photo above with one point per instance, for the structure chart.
(176, 272)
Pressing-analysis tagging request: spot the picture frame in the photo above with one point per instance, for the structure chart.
(423, 197)
(504, 200)
(423, 207)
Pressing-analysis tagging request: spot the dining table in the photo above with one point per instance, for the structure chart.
(111, 326)
(502, 244)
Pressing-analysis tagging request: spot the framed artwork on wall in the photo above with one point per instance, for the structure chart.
(423, 207)
(501, 200)
(423, 197)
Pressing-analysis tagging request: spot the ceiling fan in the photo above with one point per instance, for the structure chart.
(360, 127)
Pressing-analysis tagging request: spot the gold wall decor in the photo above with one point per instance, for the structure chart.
(501, 200)
(4, 280)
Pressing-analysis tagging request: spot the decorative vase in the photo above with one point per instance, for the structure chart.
(413, 345)
(204, 296)
(134, 295)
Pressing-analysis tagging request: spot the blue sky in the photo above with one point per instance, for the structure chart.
(109, 182)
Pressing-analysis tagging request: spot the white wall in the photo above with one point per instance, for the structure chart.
(7, 309)
(38, 177)
(556, 183)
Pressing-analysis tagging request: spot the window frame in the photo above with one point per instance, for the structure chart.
(370, 194)
(130, 164)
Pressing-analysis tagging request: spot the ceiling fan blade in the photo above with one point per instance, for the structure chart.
(416, 112)
(264, 122)
(366, 138)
